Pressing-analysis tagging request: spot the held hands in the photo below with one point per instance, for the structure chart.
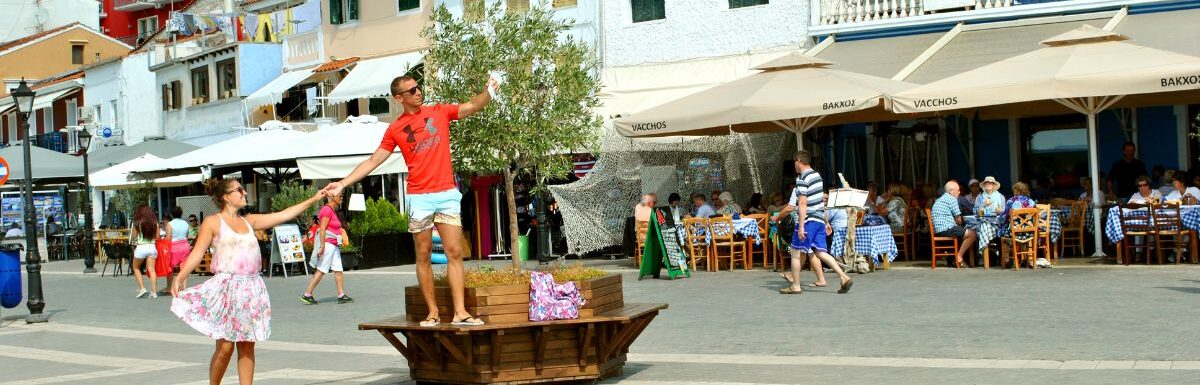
(333, 188)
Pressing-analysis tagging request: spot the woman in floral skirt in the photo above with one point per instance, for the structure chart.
(232, 307)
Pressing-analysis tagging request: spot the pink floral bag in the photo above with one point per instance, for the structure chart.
(548, 301)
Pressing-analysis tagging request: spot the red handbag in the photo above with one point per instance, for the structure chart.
(162, 265)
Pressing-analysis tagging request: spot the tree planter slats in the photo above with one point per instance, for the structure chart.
(506, 304)
(519, 352)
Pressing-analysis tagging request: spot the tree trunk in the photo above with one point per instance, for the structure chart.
(513, 230)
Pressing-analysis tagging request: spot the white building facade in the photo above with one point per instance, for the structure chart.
(27, 17)
(117, 93)
(662, 31)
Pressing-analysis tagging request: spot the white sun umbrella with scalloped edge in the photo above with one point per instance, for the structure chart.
(795, 92)
(1085, 70)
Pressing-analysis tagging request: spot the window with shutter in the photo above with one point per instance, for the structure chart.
(351, 10)
(745, 3)
(408, 5)
(335, 12)
(646, 10)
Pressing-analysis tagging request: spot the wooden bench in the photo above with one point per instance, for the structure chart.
(519, 352)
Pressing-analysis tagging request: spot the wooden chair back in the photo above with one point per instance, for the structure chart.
(1078, 215)
(640, 232)
(858, 217)
(1166, 217)
(1025, 226)
(1043, 222)
(939, 246)
(694, 230)
(1136, 219)
(722, 232)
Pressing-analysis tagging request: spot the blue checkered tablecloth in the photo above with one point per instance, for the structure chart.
(872, 241)
(1112, 226)
(1065, 212)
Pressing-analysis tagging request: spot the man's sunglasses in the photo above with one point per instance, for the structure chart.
(412, 90)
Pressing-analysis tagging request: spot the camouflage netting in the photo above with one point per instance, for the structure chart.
(594, 208)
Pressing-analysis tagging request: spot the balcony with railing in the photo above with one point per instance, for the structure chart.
(133, 5)
(831, 16)
(303, 49)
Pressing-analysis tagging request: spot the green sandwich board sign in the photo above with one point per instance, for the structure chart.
(663, 248)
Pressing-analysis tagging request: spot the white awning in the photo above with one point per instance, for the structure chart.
(117, 177)
(43, 101)
(273, 92)
(372, 78)
(339, 167)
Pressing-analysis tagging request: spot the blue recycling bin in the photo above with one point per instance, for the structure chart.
(10, 276)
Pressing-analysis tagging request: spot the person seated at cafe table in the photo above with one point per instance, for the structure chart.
(1019, 200)
(641, 212)
(895, 206)
(1086, 195)
(1186, 195)
(703, 209)
(948, 221)
(990, 200)
(1145, 194)
(726, 205)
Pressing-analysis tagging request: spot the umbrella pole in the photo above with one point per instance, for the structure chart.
(1094, 169)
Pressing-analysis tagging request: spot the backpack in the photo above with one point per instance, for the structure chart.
(549, 301)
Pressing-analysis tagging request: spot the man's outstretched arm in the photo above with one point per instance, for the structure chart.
(359, 172)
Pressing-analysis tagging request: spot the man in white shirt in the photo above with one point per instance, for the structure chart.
(1182, 192)
(15, 231)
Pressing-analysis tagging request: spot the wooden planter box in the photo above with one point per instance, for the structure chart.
(510, 304)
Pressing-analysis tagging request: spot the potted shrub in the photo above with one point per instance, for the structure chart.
(502, 295)
(381, 235)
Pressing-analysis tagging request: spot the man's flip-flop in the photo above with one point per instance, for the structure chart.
(469, 321)
(788, 290)
(846, 286)
(786, 277)
(430, 322)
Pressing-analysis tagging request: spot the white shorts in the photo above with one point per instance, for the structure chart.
(145, 251)
(330, 260)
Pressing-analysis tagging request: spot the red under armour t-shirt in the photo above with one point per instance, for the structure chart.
(424, 139)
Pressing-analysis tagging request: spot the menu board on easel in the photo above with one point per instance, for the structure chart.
(663, 248)
(287, 247)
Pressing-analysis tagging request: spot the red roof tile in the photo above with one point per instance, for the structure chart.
(335, 65)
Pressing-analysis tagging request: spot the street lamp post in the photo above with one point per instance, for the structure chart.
(23, 96)
(89, 263)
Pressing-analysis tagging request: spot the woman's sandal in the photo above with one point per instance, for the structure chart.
(431, 321)
(469, 321)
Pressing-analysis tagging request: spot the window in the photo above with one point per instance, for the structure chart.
(563, 3)
(12, 128)
(646, 10)
(1063, 140)
(376, 106)
(473, 10)
(745, 3)
(408, 5)
(343, 11)
(226, 79)
(146, 26)
(517, 6)
(47, 120)
(176, 98)
(72, 112)
(76, 54)
(200, 85)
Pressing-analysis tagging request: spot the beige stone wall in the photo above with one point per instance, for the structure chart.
(53, 56)
(380, 31)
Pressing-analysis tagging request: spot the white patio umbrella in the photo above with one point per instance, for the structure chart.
(1085, 70)
(794, 92)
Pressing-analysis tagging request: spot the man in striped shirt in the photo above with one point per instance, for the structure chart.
(948, 222)
(809, 237)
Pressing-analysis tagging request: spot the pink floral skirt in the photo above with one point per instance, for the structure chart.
(227, 307)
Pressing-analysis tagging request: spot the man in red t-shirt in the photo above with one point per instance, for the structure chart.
(423, 135)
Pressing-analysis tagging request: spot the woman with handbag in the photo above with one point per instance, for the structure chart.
(327, 251)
